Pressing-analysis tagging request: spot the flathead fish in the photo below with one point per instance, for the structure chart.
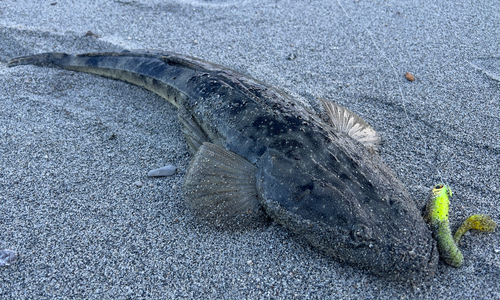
(256, 148)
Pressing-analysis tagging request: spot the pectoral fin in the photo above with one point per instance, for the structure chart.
(220, 185)
(344, 120)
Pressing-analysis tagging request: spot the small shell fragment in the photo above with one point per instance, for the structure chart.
(409, 76)
(165, 171)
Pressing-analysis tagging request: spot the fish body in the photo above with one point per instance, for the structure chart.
(257, 148)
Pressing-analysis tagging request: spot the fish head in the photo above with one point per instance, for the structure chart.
(343, 199)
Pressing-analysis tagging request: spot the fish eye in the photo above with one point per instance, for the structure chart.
(439, 186)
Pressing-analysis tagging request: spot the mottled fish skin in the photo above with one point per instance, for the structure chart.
(316, 181)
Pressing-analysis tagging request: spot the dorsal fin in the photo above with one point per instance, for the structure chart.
(220, 186)
(345, 120)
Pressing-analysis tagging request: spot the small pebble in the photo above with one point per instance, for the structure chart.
(165, 171)
(138, 183)
(7, 257)
(409, 76)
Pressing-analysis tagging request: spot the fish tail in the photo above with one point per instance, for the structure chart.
(479, 222)
(51, 59)
(142, 69)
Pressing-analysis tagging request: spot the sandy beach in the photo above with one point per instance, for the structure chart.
(74, 146)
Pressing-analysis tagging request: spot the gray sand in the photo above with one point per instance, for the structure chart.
(72, 146)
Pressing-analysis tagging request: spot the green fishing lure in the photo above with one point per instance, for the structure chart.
(436, 216)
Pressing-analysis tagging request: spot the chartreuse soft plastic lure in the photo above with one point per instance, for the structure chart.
(437, 216)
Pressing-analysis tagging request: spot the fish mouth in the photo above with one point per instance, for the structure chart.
(412, 256)
(393, 242)
(402, 255)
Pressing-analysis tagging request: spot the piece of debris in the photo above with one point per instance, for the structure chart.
(409, 76)
(165, 171)
(112, 136)
(90, 33)
(291, 56)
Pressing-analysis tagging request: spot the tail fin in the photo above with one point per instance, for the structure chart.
(43, 59)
